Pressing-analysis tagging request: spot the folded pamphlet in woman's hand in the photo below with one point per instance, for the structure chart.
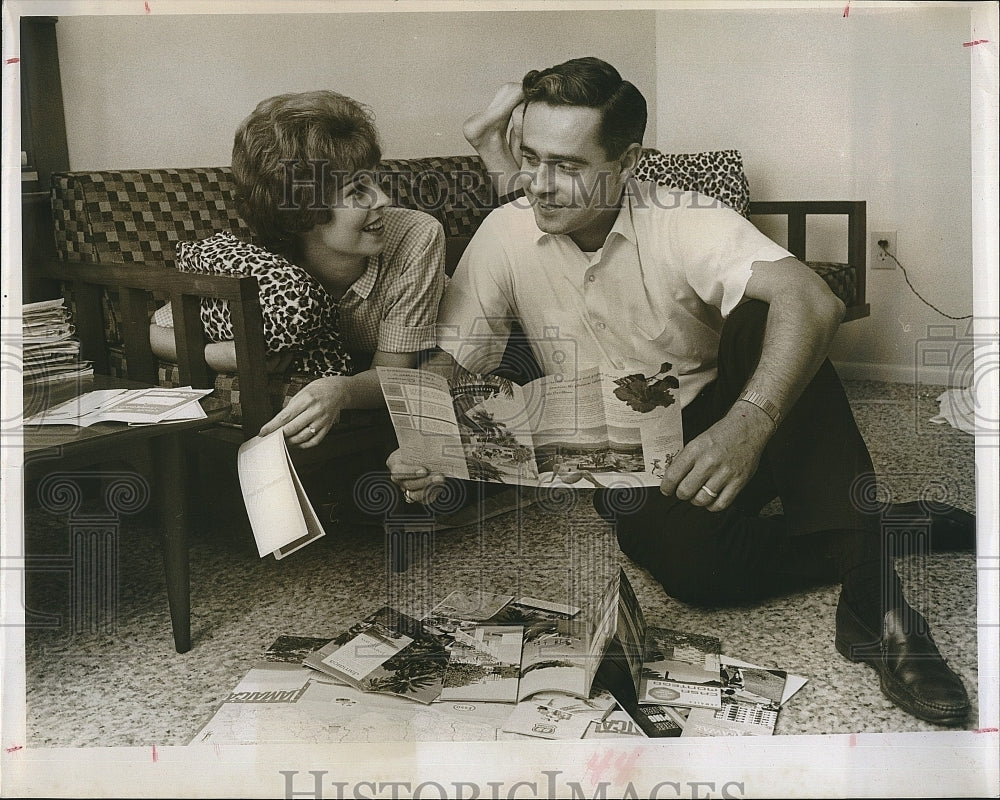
(282, 518)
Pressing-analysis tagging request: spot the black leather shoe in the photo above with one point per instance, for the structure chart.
(911, 671)
(951, 528)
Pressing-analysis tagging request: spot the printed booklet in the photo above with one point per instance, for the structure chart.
(134, 406)
(594, 430)
(281, 516)
(751, 698)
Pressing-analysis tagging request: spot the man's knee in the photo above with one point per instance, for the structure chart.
(689, 566)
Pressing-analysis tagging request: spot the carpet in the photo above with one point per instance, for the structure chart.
(117, 681)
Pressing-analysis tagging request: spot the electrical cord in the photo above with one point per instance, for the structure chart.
(885, 249)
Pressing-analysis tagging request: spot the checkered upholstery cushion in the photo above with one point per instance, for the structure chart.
(842, 278)
(456, 190)
(139, 215)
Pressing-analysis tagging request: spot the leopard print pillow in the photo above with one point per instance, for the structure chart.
(717, 173)
(299, 314)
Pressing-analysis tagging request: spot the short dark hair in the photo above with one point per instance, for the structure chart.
(593, 83)
(284, 143)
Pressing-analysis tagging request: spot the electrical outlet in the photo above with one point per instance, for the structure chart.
(879, 259)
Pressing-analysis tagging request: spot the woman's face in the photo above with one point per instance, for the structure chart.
(355, 231)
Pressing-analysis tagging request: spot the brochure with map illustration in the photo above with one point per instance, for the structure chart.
(595, 430)
(280, 701)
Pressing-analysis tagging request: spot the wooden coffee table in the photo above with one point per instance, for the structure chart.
(48, 448)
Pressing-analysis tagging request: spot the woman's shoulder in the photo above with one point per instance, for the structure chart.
(411, 235)
(403, 222)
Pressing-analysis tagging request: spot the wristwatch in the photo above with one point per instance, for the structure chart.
(765, 405)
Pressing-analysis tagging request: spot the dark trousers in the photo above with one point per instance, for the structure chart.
(816, 463)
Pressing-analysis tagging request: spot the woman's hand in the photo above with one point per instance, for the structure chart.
(307, 418)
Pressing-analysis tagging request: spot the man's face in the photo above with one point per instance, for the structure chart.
(573, 186)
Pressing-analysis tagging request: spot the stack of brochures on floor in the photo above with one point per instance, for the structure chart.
(489, 667)
(49, 350)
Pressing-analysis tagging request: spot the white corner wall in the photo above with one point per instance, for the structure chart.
(164, 91)
(874, 106)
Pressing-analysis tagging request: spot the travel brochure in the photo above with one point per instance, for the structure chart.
(135, 406)
(593, 430)
(281, 516)
(491, 667)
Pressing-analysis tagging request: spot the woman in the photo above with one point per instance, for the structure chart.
(304, 166)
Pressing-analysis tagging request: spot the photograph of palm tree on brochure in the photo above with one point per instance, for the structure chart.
(388, 652)
(494, 450)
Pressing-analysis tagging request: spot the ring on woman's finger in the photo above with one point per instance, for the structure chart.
(312, 430)
(709, 492)
(408, 496)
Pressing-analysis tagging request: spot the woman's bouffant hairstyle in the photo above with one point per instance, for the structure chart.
(593, 83)
(291, 155)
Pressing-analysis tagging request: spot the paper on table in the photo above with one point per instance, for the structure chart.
(192, 410)
(144, 406)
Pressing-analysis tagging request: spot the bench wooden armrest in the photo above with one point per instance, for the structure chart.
(184, 290)
(796, 212)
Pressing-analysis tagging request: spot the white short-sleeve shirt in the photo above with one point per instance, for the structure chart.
(671, 269)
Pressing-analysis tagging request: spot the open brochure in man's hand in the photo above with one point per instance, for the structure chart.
(281, 516)
(595, 430)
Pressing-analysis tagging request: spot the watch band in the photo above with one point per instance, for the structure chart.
(765, 405)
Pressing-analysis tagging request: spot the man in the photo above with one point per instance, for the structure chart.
(636, 276)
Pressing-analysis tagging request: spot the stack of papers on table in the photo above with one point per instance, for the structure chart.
(48, 350)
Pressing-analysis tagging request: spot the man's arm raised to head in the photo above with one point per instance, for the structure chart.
(801, 322)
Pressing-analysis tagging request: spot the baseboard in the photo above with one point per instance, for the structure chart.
(895, 373)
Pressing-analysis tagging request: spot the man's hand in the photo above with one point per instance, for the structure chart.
(308, 416)
(495, 133)
(722, 459)
(417, 484)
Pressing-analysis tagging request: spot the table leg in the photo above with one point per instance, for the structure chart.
(170, 490)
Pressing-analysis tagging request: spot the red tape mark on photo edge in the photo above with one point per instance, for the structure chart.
(15, 748)
(154, 754)
(977, 41)
(847, 9)
(987, 730)
(14, 60)
(146, 6)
